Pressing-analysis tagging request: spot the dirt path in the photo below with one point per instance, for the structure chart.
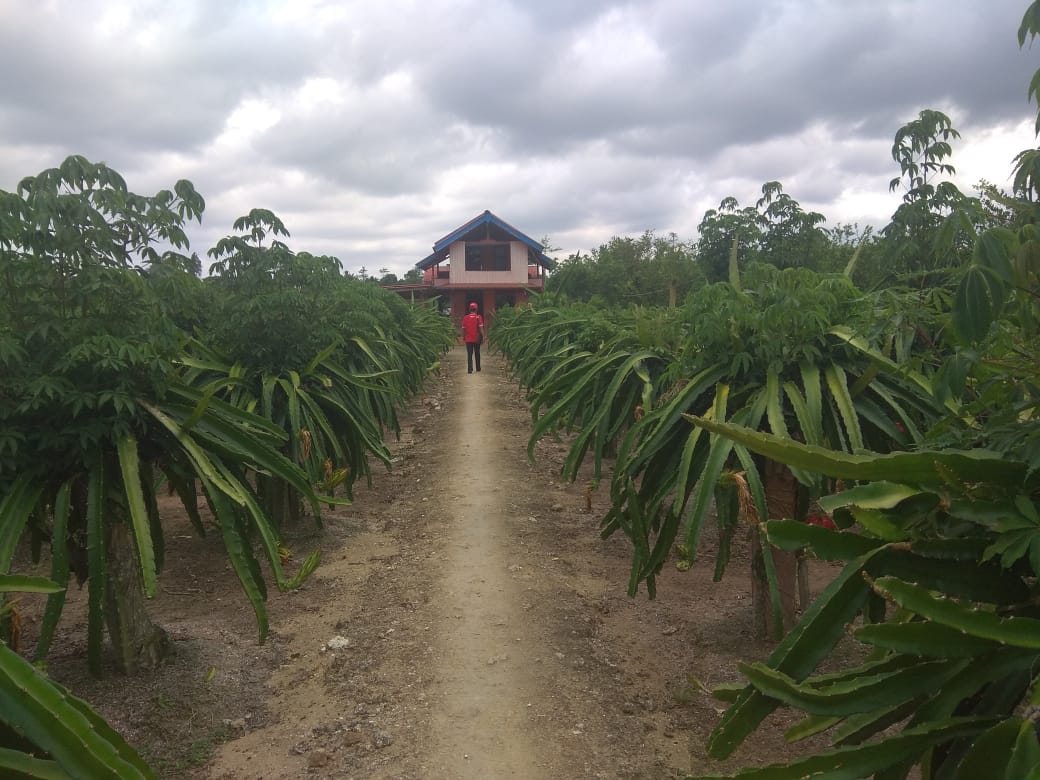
(466, 621)
(486, 676)
(492, 670)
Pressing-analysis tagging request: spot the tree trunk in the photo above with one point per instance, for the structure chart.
(140, 645)
(781, 499)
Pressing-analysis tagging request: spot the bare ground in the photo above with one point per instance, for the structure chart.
(466, 622)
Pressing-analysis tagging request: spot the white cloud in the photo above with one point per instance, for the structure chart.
(372, 129)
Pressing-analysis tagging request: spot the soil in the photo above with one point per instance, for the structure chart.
(466, 621)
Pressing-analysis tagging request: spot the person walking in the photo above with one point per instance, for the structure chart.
(473, 333)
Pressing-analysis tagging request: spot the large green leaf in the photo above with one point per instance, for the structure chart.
(126, 447)
(1012, 631)
(241, 556)
(892, 368)
(979, 297)
(97, 582)
(820, 628)
(924, 638)
(15, 764)
(23, 583)
(65, 728)
(863, 694)
(15, 508)
(862, 760)
(59, 569)
(838, 386)
(825, 544)
(912, 468)
(874, 495)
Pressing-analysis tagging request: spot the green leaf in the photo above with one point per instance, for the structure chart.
(913, 468)
(838, 385)
(878, 525)
(857, 729)
(22, 583)
(924, 638)
(240, 555)
(889, 366)
(1025, 757)
(864, 694)
(989, 752)
(875, 495)
(62, 726)
(709, 477)
(126, 447)
(863, 760)
(826, 544)
(810, 727)
(23, 766)
(59, 569)
(97, 582)
(1012, 631)
(975, 306)
(200, 460)
(820, 628)
(15, 508)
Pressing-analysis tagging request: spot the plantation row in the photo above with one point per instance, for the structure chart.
(904, 414)
(934, 496)
(267, 387)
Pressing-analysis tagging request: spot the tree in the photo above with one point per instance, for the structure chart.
(648, 271)
(413, 276)
(915, 244)
(792, 237)
(726, 230)
(94, 411)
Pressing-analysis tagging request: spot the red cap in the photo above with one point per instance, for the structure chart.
(473, 305)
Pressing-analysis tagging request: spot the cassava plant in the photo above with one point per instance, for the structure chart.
(326, 358)
(773, 352)
(94, 414)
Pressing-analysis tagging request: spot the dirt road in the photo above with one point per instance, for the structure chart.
(466, 621)
(472, 647)
(487, 677)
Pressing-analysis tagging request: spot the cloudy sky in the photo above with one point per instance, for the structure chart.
(374, 127)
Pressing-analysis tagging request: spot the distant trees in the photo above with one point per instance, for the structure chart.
(649, 270)
(929, 237)
(655, 270)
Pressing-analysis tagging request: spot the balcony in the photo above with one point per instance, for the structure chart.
(441, 276)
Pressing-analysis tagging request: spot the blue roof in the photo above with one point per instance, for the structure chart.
(440, 248)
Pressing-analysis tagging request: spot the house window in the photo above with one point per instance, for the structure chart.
(487, 257)
(501, 259)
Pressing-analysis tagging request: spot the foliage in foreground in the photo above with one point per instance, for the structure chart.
(45, 732)
(941, 554)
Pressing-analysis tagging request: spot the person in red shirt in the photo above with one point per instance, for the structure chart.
(473, 334)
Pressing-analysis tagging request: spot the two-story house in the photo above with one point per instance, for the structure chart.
(487, 261)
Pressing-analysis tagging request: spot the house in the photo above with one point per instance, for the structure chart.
(486, 261)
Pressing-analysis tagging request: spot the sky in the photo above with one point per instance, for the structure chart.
(372, 128)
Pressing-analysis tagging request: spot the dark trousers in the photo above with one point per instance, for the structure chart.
(472, 352)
